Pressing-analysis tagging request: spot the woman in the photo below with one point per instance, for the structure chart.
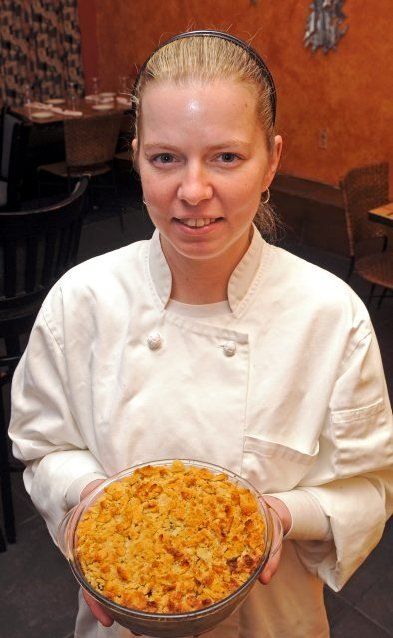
(207, 342)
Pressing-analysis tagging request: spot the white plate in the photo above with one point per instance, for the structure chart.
(55, 100)
(102, 107)
(123, 100)
(91, 98)
(70, 113)
(42, 115)
(107, 94)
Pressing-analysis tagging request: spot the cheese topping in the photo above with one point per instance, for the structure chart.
(170, 539)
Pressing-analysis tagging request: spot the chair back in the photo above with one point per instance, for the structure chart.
(364, 188)
(13, 144)
(36, 248)
(91, 141)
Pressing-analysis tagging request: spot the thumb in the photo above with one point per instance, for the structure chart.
(97, 610)
(270, 568)
(275, 552)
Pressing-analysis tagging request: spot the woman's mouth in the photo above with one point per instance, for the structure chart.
(198, 222)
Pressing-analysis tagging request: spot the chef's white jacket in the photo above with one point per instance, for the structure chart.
(287, 389)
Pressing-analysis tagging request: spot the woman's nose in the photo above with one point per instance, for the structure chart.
(195, 186)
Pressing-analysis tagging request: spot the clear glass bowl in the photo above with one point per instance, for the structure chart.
(169, 625)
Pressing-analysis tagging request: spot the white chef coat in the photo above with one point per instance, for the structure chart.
(287, 389)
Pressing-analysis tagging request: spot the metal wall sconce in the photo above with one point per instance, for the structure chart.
(324, 25)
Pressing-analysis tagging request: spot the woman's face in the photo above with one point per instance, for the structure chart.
(204, 162)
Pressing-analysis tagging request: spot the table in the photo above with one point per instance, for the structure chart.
(312, 212)
(382, 214)
(83, 105)
(46, 136)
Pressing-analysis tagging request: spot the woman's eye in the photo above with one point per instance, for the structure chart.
(163, 158)
(228, 158)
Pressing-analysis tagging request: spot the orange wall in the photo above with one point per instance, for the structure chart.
(348, 92)
(88, 29)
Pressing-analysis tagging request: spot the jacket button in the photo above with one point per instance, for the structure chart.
(154, 341)
(229, 348)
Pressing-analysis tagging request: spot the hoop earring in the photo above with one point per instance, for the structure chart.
(265, 201)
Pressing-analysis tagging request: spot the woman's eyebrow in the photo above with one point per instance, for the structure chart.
(154, 145)
(231, 143)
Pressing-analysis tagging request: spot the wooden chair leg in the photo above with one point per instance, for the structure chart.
(13, 349)
(121, 215)
(3, 546)
(351, 267)
(115, 188)
(89, 200)
(39, 187)
(370, 295)
(114, 180)
(382, 297)
(5, 478)
(69, 182)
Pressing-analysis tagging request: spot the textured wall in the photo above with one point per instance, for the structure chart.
(348, 92)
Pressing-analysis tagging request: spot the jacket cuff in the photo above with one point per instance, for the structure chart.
(309, 522)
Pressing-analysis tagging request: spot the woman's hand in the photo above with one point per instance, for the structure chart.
(284, 515)
(90, 487)
(96, 609)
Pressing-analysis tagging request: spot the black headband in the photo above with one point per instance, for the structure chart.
(267, 76)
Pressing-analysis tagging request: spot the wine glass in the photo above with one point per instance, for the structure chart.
(95, 87)
(123, 85)
(27, 96)
(72, 96)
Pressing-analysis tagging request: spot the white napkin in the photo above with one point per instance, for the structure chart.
(40, 105)
(105, 100)
(73, 113)
(123, 100)
(57, 109)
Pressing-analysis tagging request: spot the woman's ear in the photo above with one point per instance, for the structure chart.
(277, 152)
(274, 160)
(134, 146)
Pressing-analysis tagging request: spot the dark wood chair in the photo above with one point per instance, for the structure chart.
(364, 188)
(90, 145)
(14, 137)
(36, 248)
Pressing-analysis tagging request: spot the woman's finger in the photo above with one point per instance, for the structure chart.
(90, 487)
(270, 568)
(274, 559)
(97, 610)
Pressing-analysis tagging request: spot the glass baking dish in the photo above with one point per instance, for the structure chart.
(169, 625)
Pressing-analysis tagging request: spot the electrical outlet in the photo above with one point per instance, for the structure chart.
(323, 138)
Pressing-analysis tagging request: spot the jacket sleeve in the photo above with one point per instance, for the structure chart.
(45, 434)
(352, 480)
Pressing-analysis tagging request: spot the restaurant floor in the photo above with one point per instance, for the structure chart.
(38, 592)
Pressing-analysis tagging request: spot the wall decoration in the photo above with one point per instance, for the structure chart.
(40, 49)
(324, 25)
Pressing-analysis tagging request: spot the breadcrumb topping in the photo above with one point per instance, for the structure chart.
(170, 539)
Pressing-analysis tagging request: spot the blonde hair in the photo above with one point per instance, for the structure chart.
(206, 59)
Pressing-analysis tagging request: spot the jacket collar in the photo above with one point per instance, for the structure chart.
(239, 282)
